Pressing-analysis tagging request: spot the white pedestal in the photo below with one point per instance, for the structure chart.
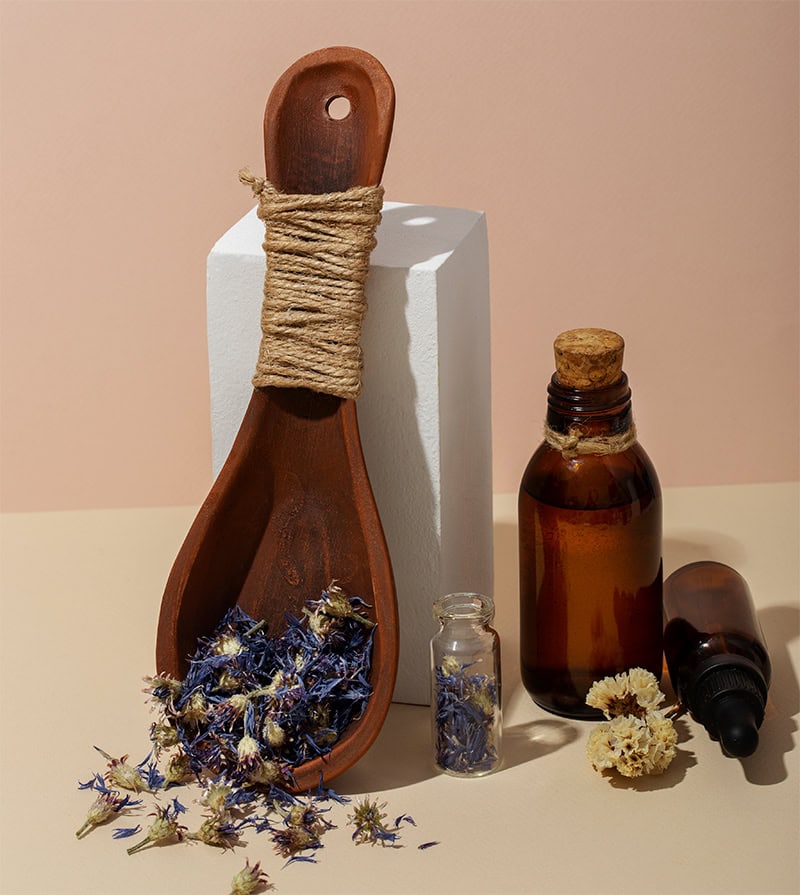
(425, 411)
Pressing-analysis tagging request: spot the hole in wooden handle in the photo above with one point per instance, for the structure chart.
(338, 107)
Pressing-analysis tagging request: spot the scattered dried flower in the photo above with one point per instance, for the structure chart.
(303, 825)
(104, 807)
(163, 736)
(249, 879)
(165, 826)
(178, 768)
(144, 777)
(368, 819)
(163, 688)
(216, 831)
(216, 796)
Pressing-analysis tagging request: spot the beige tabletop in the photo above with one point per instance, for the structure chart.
(81, 592)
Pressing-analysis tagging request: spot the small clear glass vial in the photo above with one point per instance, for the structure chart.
(466, 688)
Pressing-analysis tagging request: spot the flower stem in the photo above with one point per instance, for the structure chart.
(87, 824)
(134, 848)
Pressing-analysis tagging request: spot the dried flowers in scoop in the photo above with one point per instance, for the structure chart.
(253, 706)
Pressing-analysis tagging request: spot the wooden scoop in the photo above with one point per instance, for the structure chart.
(292, 508)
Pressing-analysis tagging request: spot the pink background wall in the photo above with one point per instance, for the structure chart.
(638, 163)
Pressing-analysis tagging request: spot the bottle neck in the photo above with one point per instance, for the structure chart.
(589, 412)
(464, 609)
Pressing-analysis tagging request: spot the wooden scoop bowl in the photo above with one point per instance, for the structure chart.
(292, 508)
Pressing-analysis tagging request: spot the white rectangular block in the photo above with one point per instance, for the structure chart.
(425, 411)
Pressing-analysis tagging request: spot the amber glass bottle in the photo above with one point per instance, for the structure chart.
(589, 534)
(715, 651)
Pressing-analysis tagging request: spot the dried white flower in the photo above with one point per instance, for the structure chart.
(663, 739)
(623, 744)
(644, 685)
(638, 739)
(634, 692)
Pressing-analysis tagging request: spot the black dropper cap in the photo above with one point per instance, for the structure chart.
(736, 725)
(729, 702)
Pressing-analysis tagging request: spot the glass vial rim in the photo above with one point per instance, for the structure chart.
(464, 606)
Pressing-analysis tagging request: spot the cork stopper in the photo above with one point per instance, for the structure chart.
(588, 358)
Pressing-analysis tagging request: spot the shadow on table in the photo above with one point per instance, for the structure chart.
(401, 755)
(767, 765)
(533, 739)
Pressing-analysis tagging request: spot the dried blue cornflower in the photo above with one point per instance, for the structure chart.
(333, 605)
(143, 777)
(241, 798)
(195, 708)
(249, 879)
(289, 841)
(164, 827)
(273, 733)
(178, 769)
(104, 807)
(215, 797)
(217, 831)
(227, 644)
(163, 736)
(369, 820)
(163, 688)
(303, 825)
(252, 767)
(466, 710)
(248, 754)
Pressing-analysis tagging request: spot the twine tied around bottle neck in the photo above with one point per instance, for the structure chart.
(575, 444)
(317, 249)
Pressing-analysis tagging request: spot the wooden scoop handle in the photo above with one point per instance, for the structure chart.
(306, 148)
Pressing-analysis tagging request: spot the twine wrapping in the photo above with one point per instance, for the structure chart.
(575, 444)
(317, 249)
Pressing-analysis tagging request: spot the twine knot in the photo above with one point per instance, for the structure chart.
(574, 443)
(317, 249)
